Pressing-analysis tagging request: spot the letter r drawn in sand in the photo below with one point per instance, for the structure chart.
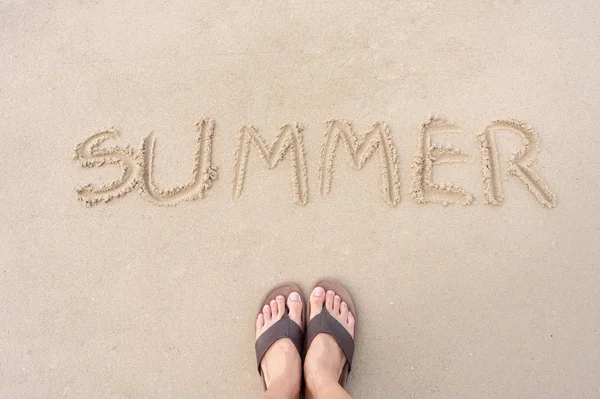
(519, 163)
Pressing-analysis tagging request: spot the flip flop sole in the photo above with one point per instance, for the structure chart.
(334, 285)
(284, 289)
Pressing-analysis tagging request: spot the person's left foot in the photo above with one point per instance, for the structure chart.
(325, 358)
(281, 365)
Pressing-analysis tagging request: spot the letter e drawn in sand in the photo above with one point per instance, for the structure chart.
(519, 163)
(358, 152)
(203, 172)
(424, 190)
(90, 155)
(289, 139)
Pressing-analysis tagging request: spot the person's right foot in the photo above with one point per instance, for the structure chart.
(281, 364)
(325, 359)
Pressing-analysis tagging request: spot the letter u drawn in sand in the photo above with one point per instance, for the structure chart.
(137, 168)
(203, 172)
(358, 152)
(289, 139)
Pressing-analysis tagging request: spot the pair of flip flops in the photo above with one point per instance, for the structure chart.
(323, 323)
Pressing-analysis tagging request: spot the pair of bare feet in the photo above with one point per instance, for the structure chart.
(324, 361)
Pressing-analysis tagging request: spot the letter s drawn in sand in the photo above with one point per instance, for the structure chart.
(91, 155)
(137, 166)
(519, 163)
(358, 152)
(289, 139)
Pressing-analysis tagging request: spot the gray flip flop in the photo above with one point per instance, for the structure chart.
(284, 328)
(325, 323)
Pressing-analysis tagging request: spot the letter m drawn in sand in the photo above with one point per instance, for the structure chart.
(358, 152)
(289, 139)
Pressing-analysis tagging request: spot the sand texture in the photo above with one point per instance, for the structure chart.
(164, 163)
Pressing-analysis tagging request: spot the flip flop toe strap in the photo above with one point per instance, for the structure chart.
(326, 323)
(284, 328)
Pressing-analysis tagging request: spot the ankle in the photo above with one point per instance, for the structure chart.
(319, 384)
(283, 387)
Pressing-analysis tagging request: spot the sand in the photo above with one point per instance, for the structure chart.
(439, 157)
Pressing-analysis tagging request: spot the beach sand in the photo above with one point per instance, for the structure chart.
(488, 288)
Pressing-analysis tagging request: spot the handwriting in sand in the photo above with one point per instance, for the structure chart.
(137, 164)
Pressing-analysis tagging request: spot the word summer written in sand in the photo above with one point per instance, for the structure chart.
(137, 164)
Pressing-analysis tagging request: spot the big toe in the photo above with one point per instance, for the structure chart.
(294, 304)
(317, 300)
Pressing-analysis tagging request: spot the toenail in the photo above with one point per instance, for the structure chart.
(338, 297)
(330, 292)
(280, 297)
(318, 291)
(295, 296)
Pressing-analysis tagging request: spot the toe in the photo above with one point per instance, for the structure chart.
(260, 323)
(351, 324)
(337, 301)
(317, 298)
(267, 313)
(294, 304)
(329, 300)
(273, 305)
(344, 311)
(280, 305)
